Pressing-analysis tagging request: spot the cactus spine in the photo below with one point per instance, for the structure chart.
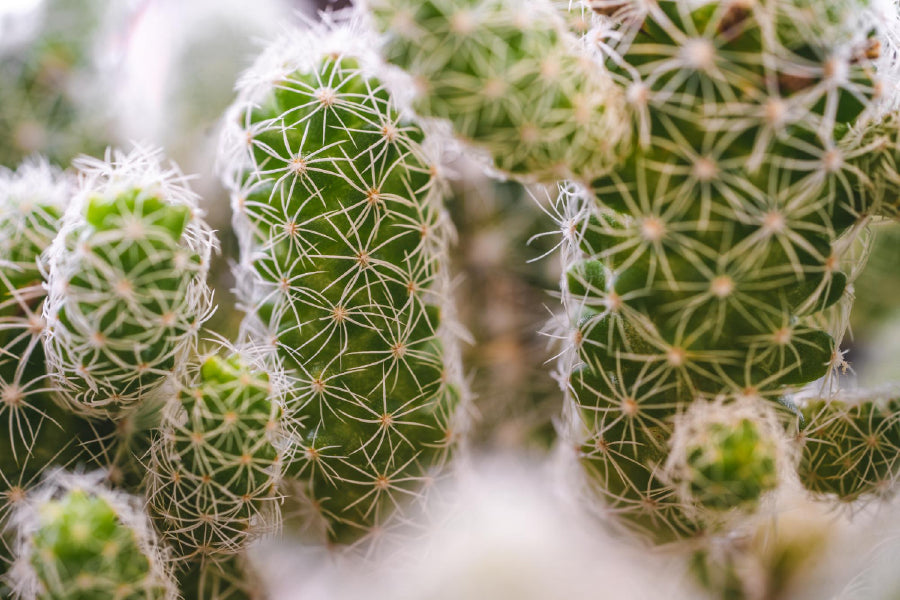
(343, 261)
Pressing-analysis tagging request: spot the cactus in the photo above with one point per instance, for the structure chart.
(215, 469)
(34, 432)
(231, 580)
(711, 262)
(512, 82)
(128, 290)
(343, 250)
(723, 457)
(81, 541)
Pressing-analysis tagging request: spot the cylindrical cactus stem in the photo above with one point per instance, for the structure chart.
(344, 263)
(711, 262)
(222, 449)
(81, 541)
(511, 81)
(850, 446)
(127, 281)
(726, 456)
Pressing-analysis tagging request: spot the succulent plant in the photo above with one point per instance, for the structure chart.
(344, 255)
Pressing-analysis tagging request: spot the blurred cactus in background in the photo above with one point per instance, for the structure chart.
(621, 238)
(51, 101)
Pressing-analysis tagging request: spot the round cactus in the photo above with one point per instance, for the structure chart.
(127, 283)
(213, 472)
(81, 541)
(513, 82)
(343, 265)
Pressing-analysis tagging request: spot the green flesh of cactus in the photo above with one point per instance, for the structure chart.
(730, 465)
(345, 245)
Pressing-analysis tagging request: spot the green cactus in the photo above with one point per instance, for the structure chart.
(343, 262)
(709, 263)
(209, 580)
(850, 447)
(80, 541)
(214, 471)
(127, 283)
(513, 82)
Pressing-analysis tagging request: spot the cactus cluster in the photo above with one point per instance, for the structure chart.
(344, 390)
(710, 251)
(718, 164)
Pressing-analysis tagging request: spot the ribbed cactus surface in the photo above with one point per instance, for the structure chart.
(343, 250)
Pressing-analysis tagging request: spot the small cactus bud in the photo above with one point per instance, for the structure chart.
(81, 541)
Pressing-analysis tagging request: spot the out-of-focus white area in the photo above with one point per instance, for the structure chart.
(180, 68)
(501, 533)
(17, 21)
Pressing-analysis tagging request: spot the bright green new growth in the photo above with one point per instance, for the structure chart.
(127, 284)
(82, 542)
(343, 255)
(724, 457)
(512, 81)
(219, 457)
(850, 448)
(706, 264)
